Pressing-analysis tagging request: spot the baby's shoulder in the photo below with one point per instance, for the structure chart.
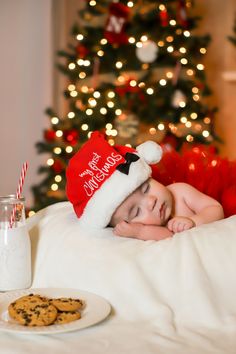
(180, 186)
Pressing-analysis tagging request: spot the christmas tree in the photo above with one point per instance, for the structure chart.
(135, 72)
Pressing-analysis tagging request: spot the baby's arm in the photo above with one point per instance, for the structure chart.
(208, 214)
(141, 231)
(205, 208)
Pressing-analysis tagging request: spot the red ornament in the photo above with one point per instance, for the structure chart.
(164, 17)
(127, 88)
(182, 14)
(57, 167)
(49, 135)
(116, 23)
(200, 85)
(81, 51)
(71, 136)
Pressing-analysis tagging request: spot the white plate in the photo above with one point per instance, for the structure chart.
(96, 309)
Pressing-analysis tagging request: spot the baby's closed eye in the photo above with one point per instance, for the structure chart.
(145, 187)
(135, 211)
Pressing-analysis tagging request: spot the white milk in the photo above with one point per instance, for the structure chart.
(15, 258)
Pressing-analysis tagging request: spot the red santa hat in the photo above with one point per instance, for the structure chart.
(100, 177)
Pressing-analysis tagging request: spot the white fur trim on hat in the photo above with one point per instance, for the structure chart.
(112, 193)
(150, 151)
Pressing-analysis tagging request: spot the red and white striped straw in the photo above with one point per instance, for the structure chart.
(21, 180)
(19, 191)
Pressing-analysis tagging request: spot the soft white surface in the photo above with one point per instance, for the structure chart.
(172, 296)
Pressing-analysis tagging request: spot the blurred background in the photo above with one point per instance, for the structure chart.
(32, 32)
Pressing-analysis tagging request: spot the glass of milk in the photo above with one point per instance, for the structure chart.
(15, 248)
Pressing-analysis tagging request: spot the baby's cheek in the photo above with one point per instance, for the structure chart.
(141, 219)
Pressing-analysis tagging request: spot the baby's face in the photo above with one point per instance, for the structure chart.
(150, 204)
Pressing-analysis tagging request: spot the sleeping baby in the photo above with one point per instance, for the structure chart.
(155, 212)
(112, 186)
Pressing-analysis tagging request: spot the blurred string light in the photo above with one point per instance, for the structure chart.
(50, 162)
(58, 178)
(96, 94)
(150, 91)
(131, 40)
(79, 37)
(57, 150)
(54, 187)
(103, 41)
(71, 115)
(54, 120)
(84, 127)
(71, 66)
(92, 3)
(59, 133)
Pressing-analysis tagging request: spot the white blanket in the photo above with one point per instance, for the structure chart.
(175, 296)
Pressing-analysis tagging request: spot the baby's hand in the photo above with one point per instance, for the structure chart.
(180, 223)
(125, 229)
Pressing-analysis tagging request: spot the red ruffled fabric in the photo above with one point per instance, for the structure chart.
(205, 170)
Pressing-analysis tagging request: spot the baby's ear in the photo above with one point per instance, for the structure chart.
(150, 151)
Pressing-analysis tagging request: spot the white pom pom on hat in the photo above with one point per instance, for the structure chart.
(150, 151)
